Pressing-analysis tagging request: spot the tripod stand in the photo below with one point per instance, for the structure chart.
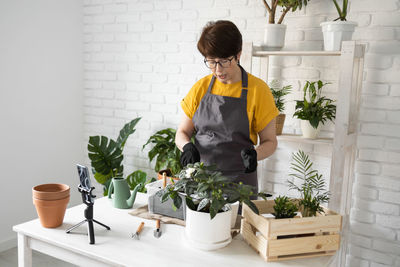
(87, 199)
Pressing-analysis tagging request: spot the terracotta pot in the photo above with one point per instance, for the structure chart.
(50, 191)
(168, 173)
(51, 212)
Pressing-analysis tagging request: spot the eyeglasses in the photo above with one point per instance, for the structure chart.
(224, 63)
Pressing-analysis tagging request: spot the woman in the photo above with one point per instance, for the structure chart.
(227, 110)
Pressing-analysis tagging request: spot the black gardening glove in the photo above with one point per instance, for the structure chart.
(190, 154)
(249, 156)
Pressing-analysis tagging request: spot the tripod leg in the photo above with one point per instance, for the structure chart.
(105, 226)
(75, 226)
(90, 232)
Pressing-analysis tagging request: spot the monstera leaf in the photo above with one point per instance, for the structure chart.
(106, 158)
(126, 131)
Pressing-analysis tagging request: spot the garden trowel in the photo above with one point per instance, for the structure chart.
(140, 228)
(157, 232)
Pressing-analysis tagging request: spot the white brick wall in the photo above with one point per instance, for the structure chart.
(141, 59)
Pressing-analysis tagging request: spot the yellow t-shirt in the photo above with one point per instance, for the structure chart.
(261, 107)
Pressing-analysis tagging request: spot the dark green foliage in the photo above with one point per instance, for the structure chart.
(207, 190)
(342, 12)
(165, 151)
(314, 107)
(278, 93)
(284, 208)
(106, 156)
(312, 189)
(138, 177)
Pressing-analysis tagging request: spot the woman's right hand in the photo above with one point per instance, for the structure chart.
(190, 154)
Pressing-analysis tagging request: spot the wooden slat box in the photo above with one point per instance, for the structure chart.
(283, 239)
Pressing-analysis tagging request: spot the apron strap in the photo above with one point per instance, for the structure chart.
(244, 83)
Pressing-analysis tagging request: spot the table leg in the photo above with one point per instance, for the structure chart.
(24, 251)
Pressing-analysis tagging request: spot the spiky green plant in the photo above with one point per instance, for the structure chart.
(312, 189)
(278, 93)
(284, 208)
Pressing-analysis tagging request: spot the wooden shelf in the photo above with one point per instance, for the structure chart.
(300, 139)
(264, 53)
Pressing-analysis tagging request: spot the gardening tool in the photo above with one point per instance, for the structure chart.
(139, 229)
(157, 232)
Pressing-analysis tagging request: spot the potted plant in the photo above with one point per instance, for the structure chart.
(208, 195)
(278, 93)
(106, 158)
(284, 208)
(312, 188)
(314, 109)
(315, 233)
(338, 30)
(274, 34)
(165, 152)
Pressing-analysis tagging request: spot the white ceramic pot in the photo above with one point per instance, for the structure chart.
(309, 131)
(274, 36)
(235, 209)
(335, 32)
(205, 233)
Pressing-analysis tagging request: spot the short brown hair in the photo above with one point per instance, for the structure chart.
(220, 39)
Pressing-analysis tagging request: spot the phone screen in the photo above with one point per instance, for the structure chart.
(84, 177)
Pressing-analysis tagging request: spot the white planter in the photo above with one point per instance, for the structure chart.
(203, 233)
(274, 36)
(235, 209)
(309, 131)
(335, 32)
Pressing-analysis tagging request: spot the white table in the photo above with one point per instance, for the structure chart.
(117, 248)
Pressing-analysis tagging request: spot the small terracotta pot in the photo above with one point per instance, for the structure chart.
(51, 212)
(50, 191)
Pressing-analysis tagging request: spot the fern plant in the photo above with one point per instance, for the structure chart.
(284, 208)
(312, 189)
(278, 93)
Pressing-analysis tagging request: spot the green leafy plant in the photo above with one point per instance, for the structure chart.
(284, 208)
(207, 190)
(341, 11)
(314, 107)
(286, 5)
(139, 177)
(106, 155)
(165, 151)
(278, 93)
(312, 189)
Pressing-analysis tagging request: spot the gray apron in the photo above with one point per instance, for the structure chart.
(222, 131)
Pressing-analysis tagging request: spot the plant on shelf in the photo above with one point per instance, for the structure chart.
(165, 151)
(106, 156)
(314, 109)
(274, 35)
(286, 5)
(284, 208)
(278, 93)
(341, 11)
(339, 29)
(312, 188)
(207, 190)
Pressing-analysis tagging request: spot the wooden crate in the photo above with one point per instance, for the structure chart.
(283, 239)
